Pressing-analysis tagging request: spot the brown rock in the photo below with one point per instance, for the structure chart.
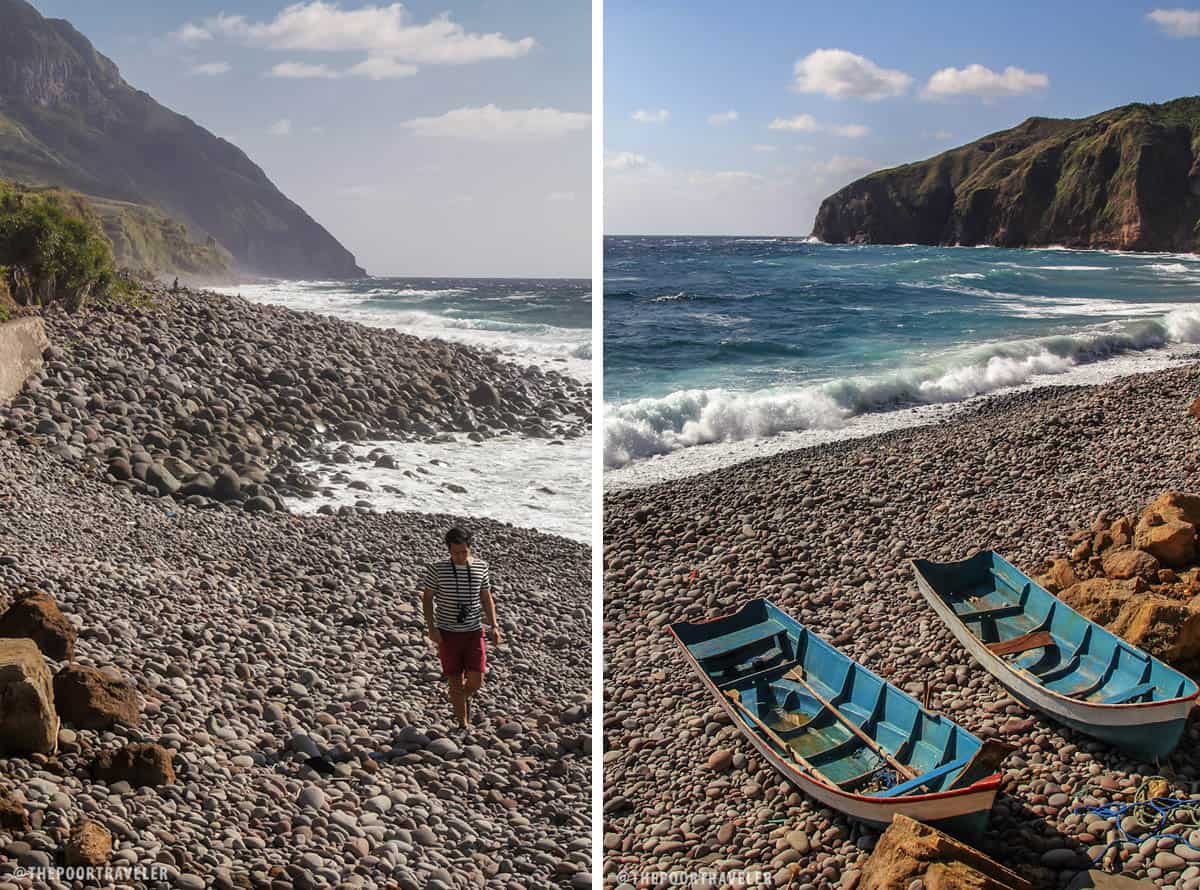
(909, 850)
(90, 845)
(1166, 628)
(36, 616)
(1194, 409)
(90, 699)
(1122, 532)
(28, 722)
(1167, 528)
(1102, 541)
(720, 760)
(1171, 541)
(138, 764)
(1059, 576)
(1100, 599)
(12, 814)
(1126, 563)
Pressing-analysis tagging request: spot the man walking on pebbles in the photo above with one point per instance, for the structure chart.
(456, 592)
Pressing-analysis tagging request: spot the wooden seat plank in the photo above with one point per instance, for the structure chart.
(1035, 639)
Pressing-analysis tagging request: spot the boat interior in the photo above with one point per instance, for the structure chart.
(1041, 636)
(833, 717)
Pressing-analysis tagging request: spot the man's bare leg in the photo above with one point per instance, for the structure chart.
(458, 699)
(473, 685)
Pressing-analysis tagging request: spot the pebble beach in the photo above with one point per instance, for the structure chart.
(826, 532)
(145, 480)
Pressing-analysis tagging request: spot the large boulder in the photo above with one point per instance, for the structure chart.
(138, 764)
(1127, 563)
(36, 616)
(28, 722)
(911, 851)
(1167, 528)
(90, 844)
(90, 699)
(484, 395)
(1167, 628)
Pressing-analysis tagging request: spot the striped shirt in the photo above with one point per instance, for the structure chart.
(456, 602)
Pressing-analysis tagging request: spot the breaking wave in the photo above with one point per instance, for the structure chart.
(652, 426)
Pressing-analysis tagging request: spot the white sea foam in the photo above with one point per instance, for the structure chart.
(655, 426)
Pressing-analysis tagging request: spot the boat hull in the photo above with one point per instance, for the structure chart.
(1151, 729)
(963, 812)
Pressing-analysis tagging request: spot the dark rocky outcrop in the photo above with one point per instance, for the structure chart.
(67, 118)
(36, 616)
(1125, 179)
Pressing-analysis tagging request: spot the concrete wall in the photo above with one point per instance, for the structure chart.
(22, 343)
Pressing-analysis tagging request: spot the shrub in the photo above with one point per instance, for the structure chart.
(49, 256)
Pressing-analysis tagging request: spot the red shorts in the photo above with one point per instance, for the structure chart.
(462, 651)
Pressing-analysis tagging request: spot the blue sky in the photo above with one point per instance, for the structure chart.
(427, 146)
(876, 103)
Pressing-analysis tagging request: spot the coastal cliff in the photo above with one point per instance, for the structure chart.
(68, 119)
(1126, 179)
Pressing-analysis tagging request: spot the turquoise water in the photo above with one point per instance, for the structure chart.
(728, 339)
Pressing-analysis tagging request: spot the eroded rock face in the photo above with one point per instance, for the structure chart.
(910, 851)
(28, 722)
(90, 699)
(36, 616)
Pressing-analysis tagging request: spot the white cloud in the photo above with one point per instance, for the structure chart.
(561, 196)
(984, 83)
(723, 117)
(281, 127)
(850, 131)
(392, 41)
(211, 69)
(801, 123)
(1177, 22)
(491, 124)
(762, 148)
(722, 177)
(190, 33)
(626, 160)
(942, 135)
(840, 74)
(382, 68)
(806, 123)
(651, 117)
(302, 71)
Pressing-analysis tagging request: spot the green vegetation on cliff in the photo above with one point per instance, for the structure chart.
(51, 250)
(1125, 179)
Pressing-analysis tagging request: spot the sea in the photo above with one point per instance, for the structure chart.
(717, 349)
(543, 322)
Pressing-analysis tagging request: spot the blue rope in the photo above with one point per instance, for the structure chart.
(1153, 814)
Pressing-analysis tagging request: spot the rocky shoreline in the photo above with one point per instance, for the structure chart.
(825, 532)
(214, 400)
(280, 661)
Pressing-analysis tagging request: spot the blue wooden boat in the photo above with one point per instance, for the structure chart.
(845, 737)
(1055, 660)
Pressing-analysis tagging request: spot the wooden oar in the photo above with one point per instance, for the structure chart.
(982, 763)
(849, 724)
(732, 695)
